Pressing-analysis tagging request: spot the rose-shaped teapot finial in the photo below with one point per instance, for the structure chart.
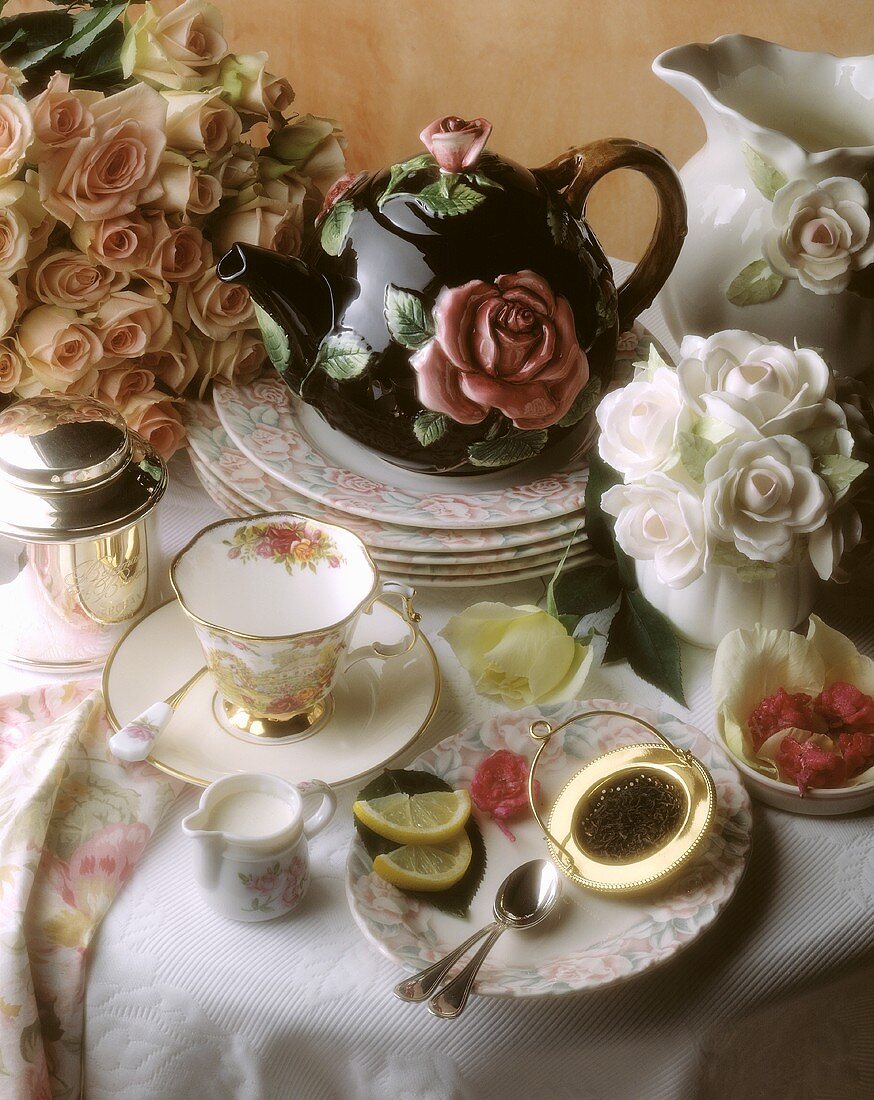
(455, 143)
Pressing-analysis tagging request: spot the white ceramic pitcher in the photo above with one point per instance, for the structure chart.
(251, 853)
(778, 200)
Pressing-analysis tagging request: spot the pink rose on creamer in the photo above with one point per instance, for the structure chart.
(455, 143)
(509, 345)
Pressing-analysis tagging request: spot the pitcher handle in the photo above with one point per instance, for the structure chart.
(408, 613)
(316, 821)
(578, 170)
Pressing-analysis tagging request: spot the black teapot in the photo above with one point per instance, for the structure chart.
(454, 312)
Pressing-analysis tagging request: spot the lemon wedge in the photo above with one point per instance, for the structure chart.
(431, 818)
(429, 867)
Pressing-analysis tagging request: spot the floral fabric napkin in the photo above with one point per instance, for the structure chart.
(73, 823)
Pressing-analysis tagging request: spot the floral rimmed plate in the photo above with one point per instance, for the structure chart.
(236, 504)
(279, 434)
(210, 442)
(594, 940)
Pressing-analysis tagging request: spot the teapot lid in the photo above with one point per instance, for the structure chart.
(70, 469)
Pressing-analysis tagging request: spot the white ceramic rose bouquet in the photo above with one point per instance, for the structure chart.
(134, 149)
(739, 464)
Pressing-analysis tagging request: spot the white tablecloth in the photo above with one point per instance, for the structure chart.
(776, 1000)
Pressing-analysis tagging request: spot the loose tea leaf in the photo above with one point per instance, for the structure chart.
(630, 817)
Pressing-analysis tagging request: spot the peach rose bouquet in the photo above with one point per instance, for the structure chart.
(134, 146)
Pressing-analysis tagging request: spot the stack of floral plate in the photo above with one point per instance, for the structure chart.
(256, 448)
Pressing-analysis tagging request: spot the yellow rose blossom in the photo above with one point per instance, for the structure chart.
(518, 655)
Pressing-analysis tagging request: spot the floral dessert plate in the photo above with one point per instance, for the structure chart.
(593, 940)
(273, 429)
(236, 504)
(380, 707)
(211, 443)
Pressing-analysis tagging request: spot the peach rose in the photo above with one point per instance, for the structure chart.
(20, 213)
(312, 146)
(237, 169)
(185, 255)
(16, 134)
(216, 308)
(8, 304)
(509, 345)
(68, 279)
(272, 219)
(199, 122)
(251, 89)
(110, 171)
(60, 349)
(176, 364)
(60, 117)
(130, 243)
(238, 358)
(117, 385)
(175, 45)
(154, 418)
(10, 79)
(185, 190)
(131, 325)
(11, 365)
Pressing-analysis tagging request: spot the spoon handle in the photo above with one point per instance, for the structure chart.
(452, 998)
(422, 985)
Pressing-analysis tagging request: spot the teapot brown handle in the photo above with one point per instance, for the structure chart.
(578, 170)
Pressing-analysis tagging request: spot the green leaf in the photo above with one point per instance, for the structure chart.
(343, 355)
(274, 337)
(484, 181)
(588, 588)
(642, 636)
(458, 897)
(585, 401)
(335, 227)
(408, 318)
(551, 608)
(598, 527)
(429, 427)
(89, 25)
(399, 172)
(694, 453)
(100, 65)
(764, 175)
(839, 472)
(45, 34)
(507, 449)
(450, 200)
(654, 362)
(756, 283)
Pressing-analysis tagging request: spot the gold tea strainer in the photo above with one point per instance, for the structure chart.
(630, 818)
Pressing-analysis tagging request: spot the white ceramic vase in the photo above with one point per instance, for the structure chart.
(809, 116)
(718, 602)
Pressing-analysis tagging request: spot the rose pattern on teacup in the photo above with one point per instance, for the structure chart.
(276, 889)
(273, 678)
(293, 544)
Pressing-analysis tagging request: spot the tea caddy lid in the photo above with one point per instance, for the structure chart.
(71, 469)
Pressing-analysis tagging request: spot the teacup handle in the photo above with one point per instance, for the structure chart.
(315, 821)
(411, 616)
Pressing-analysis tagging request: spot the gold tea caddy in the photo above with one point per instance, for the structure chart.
(663, 762)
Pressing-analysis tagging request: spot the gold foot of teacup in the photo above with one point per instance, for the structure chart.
(282, 730)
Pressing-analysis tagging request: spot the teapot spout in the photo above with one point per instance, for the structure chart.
(296, 298)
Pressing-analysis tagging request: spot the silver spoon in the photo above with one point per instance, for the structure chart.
(525, 897)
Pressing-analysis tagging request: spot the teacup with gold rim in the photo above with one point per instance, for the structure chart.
(274, 600)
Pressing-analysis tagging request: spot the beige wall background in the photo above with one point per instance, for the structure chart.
(547, 73)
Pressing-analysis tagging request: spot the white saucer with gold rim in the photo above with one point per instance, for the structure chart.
(379, 707)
